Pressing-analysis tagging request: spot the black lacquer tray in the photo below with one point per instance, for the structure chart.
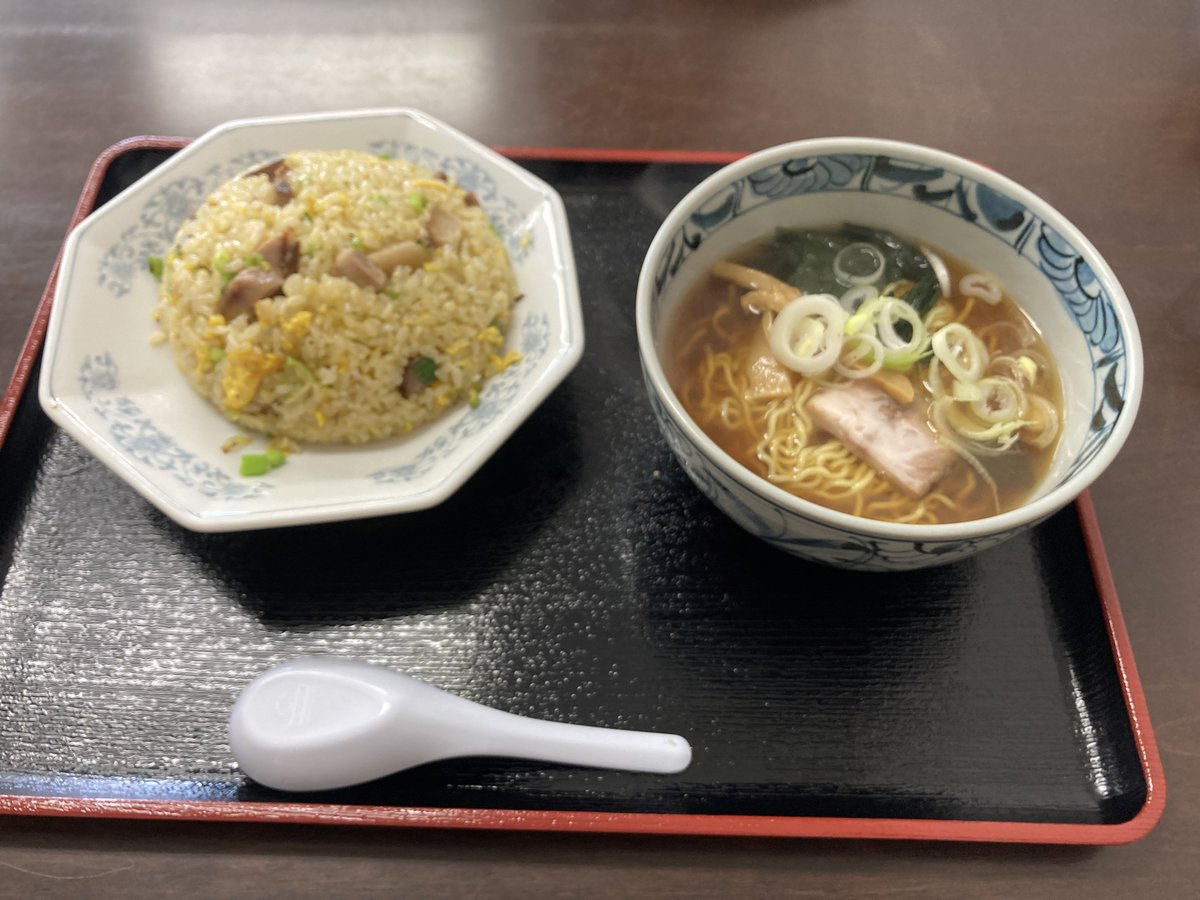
(578, 576)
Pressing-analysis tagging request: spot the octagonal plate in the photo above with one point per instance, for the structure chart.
(121, 398)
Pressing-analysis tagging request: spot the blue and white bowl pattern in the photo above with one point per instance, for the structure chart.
(809, 538)
(1021, 226)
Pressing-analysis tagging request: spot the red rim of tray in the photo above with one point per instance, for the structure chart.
(628, 823)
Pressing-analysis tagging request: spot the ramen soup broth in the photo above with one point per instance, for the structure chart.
(708, 345)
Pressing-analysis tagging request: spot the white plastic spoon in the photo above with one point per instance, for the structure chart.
(317, 723)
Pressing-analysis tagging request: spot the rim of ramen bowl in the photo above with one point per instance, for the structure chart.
(1025, 514)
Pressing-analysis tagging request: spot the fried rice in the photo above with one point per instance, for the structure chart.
(337, 297)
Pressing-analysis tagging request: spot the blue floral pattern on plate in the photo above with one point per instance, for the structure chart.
(470, 176)
(159, 221)
(145, 443)
(165, 211)
(160, 218)
(106, 385)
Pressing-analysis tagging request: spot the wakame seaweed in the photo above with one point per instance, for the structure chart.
(804, 257)
(922, 295)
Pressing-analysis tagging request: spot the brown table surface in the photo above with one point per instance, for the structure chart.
(1093, 104)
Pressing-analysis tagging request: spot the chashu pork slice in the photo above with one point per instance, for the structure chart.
(878, 431)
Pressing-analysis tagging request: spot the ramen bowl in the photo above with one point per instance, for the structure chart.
(1046, 265)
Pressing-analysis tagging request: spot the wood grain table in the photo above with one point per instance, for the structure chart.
(1093, 104)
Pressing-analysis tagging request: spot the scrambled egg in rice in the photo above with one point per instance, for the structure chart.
(338, 297)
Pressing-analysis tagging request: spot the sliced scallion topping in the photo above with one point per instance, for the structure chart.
(254, 464)
(981, 286)
(807, 335)
(863, 357)
(858, 263)
(960, 351)
(220, 264)
(425, 369)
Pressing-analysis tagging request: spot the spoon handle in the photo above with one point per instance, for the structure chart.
(505, 734)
